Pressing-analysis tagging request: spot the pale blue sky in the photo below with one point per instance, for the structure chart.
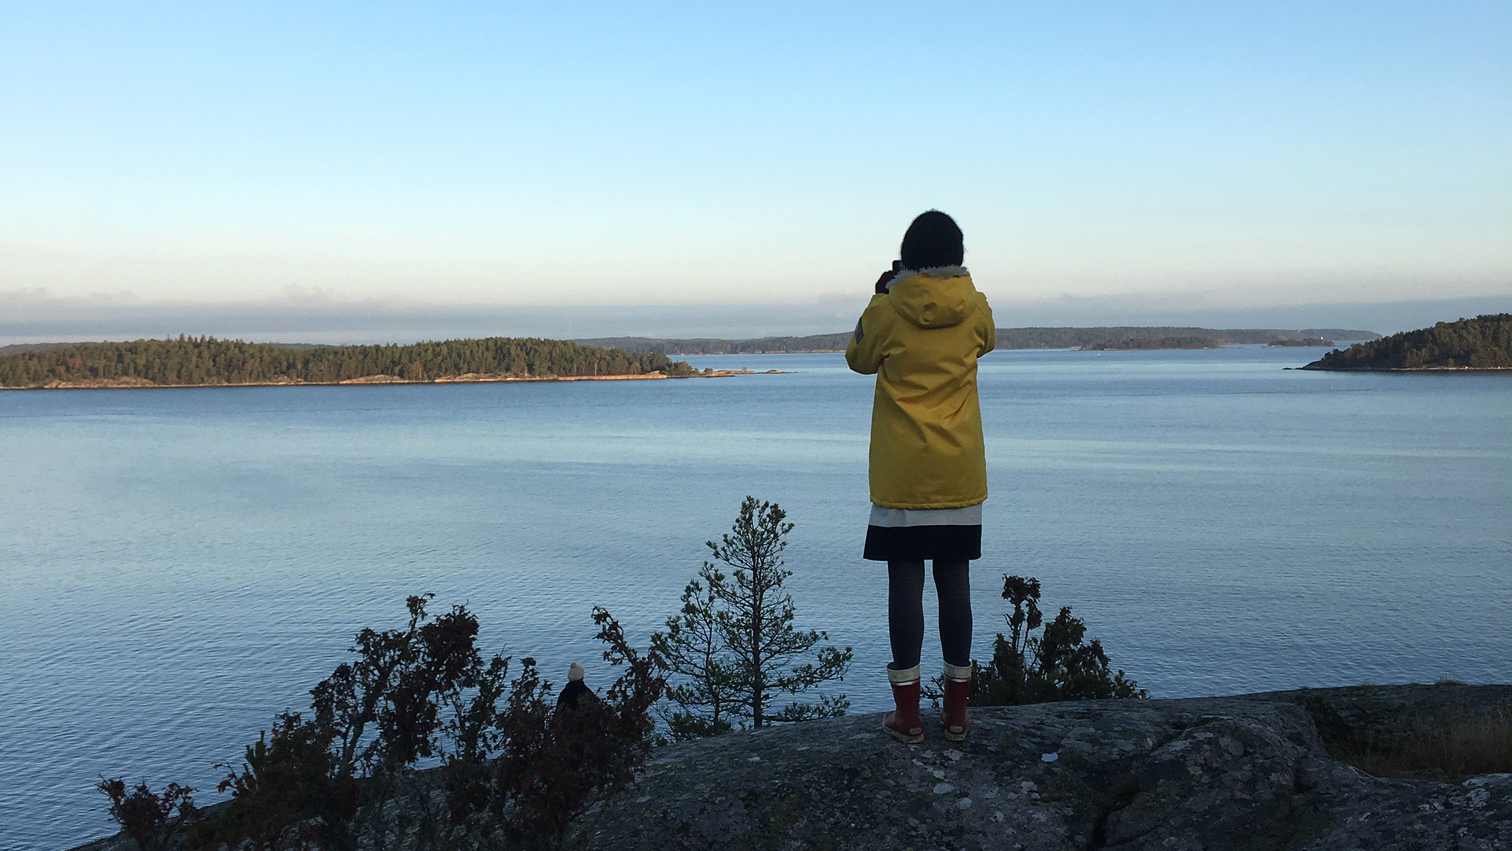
(1108, 161)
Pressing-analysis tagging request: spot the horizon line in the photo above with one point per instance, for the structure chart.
(343, 323)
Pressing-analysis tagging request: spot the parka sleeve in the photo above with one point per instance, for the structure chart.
(987, 328)
(864, 351)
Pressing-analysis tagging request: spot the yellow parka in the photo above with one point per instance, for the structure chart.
(922, 340)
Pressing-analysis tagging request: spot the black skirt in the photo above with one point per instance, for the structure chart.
(920, 543)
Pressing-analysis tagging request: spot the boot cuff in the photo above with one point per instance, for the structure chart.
(903, 677)
(958, 672)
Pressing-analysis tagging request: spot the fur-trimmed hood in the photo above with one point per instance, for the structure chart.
(937, 297)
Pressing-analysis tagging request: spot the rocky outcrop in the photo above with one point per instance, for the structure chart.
(1245, 773)
(1216, 773)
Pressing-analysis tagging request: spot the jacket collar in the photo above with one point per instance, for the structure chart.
(940, 272)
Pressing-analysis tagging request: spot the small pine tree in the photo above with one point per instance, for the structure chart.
(734, 645)
(704, 702)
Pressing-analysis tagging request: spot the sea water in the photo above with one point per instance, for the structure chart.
(177, 566)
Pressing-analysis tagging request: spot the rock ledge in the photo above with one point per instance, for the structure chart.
(1246, 773)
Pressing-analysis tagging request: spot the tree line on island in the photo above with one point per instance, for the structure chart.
(512, 767)
(1484, 342)
(205, 360)
(196, 361)
(1103, 338)
(1152, 343)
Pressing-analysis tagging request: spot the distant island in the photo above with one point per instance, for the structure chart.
(1309, 342)
(210, 362)
(1094, 338)
(1482, 343)
(207, 361)
(1147, 343)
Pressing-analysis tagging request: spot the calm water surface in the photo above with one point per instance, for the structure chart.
(176, 566)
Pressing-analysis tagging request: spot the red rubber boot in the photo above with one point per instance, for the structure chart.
(903, 722)
(957, 689)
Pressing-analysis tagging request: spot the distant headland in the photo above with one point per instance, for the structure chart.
(1480, 344)
(1100, 338)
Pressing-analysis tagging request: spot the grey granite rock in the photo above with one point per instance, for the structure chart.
(1214, 773)
(1238, 774)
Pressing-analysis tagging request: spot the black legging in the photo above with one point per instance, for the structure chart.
(905, 610)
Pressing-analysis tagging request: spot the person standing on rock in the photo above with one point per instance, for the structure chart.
(921, 335)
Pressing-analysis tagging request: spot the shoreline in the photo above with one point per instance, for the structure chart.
(381, 381)
(1476, 369)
